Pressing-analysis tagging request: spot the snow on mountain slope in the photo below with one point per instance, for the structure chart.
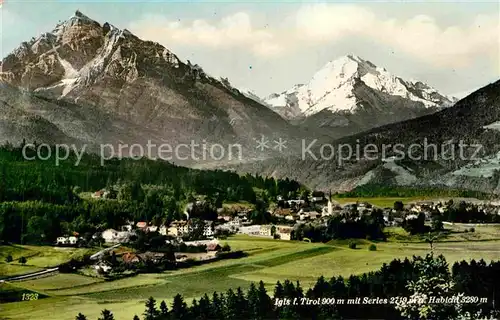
(333, 88)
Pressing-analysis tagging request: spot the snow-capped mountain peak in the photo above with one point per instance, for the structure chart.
(335, 87)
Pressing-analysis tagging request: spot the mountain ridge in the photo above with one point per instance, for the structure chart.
(345, 91)
(473, 121)
(128, 80)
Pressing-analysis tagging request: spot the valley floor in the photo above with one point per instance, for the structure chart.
(268, 260)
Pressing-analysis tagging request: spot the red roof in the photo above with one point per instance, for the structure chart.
(141, 224)
(212, 246)
(129, 257)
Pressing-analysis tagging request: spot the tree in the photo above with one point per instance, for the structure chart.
(265, 302)
(430, 239)
(179, 309)
(415, 224)
(217, 307)
(232, 311)
(226, 247)
(106, 315)
(136, 317)
(253, 301)
(163, 308)
(434, 280)
(80, 317)
(9, 258)
(398, 206)
(151, 312)
(23, 260)
(437, 223)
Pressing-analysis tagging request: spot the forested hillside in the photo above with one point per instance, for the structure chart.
(40, 200)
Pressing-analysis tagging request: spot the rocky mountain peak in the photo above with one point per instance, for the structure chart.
(333, 88)
(106, 84)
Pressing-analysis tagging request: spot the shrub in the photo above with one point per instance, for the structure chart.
(22, 260)
(9, 259)
(352, 245)
(472, 229)
(372, 247)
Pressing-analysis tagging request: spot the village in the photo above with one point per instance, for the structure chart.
(195, 240)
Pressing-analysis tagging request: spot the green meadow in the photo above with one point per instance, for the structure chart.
(267, 260)
(38, 258)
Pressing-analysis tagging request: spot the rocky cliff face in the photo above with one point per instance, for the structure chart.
(142, 89)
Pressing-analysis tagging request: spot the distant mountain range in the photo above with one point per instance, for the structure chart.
(93, 84)
(350, 94)
(473, 122)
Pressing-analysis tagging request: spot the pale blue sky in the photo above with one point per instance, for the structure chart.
(284, 43)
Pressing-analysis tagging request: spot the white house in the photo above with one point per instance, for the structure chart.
(266, 230)
(113, 236)
(208, 230)
(250, 230)
(284, 232)
(317, 199)
(201, 242)
(328, 210)
(298, 202)
(178, 228)
(102, 267)
(163, 230)
(67, 240)
(151, 228)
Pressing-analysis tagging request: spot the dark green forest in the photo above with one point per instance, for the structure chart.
(40, 200)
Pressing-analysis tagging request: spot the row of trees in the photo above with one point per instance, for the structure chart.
(347, 225)
(405, 285)
(22, 179)
(376, 190)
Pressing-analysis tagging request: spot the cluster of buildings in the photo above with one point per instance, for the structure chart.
(176, 229)
(283, 232)
(133, 259)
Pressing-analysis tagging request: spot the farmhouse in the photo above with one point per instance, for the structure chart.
(102, 267)
(163, 230)
(266, 230)
(284, 232)
(154, 257)
(129, 258)
(250, 230)
(296, 202)
(101, 194)
(201, 242)
(67, 240)
(113, 236)
(178, 228)
(141, 225)
(208, 230)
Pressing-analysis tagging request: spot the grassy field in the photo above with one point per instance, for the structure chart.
(38, 258)
(384, 202)
(268, 260)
